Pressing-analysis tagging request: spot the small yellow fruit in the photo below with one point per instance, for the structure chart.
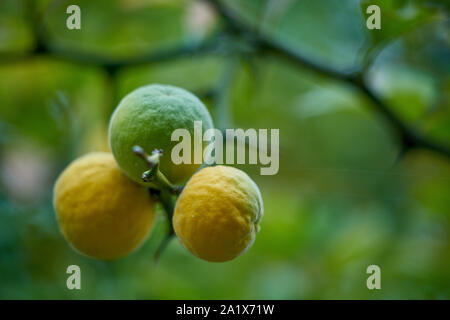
(218, 213)
(100, 211)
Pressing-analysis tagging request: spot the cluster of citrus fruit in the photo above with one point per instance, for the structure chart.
(102, 203)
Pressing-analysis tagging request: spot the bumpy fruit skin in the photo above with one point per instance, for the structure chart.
(218, 213)
(101, 212)
(147, 117)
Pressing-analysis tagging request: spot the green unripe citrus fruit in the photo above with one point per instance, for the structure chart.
(218, 213)
(147, 117)
(100, 211)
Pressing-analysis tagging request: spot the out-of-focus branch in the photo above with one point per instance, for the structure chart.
(234, 25)
(267, 45)
(222, 94)
(408, 136)
(98, 60)
(152, 56)
(45, 46)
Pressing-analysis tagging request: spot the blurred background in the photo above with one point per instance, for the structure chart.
(361, 181)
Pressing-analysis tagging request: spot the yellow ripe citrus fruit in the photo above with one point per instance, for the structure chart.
(101, 212)
(218, 213)
(147, 117)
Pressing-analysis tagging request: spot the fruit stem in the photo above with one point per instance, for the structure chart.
(166, 194)
(168, 202)
(162, 246)
(154, 175)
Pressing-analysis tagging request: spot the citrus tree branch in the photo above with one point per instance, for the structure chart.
(408, 136)
(43, 45)
(97, 60)
(222, 94)
(263, 44)
(161, 55)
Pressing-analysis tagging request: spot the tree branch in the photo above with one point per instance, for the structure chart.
(98, 60)
(262, 43)
(221, 99)
(152, 56)
(44, 45)
(409, 138)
